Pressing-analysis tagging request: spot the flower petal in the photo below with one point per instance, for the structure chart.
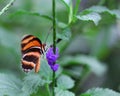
(55, 67)
(51, 58)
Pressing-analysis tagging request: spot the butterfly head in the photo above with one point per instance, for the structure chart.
(45, 47)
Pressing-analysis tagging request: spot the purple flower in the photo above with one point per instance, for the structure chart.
(55, 67)
(51, 58)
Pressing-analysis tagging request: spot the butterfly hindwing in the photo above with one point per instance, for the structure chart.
(31, 49)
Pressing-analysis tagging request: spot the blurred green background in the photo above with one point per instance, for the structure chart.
(101, 41)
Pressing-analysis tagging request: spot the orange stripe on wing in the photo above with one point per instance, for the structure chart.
(28, 63)
(31, 44)
(36, 54)
(31, 60)
(32, 49)
(37, 67)
(30, 41)
(27, 39)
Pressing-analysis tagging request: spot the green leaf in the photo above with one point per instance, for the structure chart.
(90, 16)
(100, 92)
(45, 71)
(95, 66)
(58, 72)
(98, 9)
(60, 92)
(9, 85)
(61, 25)
(41, 92)
(31, 83)
(101, 9)
(116, 13)
(65, 34)
(93, 13)
(65, 82)
(23, 12)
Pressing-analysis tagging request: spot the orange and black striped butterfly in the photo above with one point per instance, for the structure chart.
(31, 49)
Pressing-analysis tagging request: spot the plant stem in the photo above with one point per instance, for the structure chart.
(76, 9)
(7, 6)
(54, 26)
(53, 89)
(47, 87)
(54, 41)
(77, 6)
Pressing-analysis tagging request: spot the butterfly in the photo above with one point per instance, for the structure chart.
(31, 49)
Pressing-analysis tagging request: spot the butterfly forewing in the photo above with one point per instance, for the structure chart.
(31, 48)
(29, 41)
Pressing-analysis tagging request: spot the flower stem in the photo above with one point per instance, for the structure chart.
(47, 87)
(53, 90)
(54, 26)
(54, 41)
(77, 6)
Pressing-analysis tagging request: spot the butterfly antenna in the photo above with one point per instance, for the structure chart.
(48, 35)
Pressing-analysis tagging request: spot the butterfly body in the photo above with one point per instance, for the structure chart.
(31, 49)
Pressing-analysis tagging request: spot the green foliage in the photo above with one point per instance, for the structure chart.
(69, 6)
(101, 9)
(92, 16)
(9, 85)
(61, 92)
(65, 34)
(93, 13)
(100, 92)
(23, 12)
(45, 71)
(95, 66)
(65, 82)
(61, 25)
(31, 83)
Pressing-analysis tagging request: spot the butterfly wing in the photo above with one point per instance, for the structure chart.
(31, 49)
